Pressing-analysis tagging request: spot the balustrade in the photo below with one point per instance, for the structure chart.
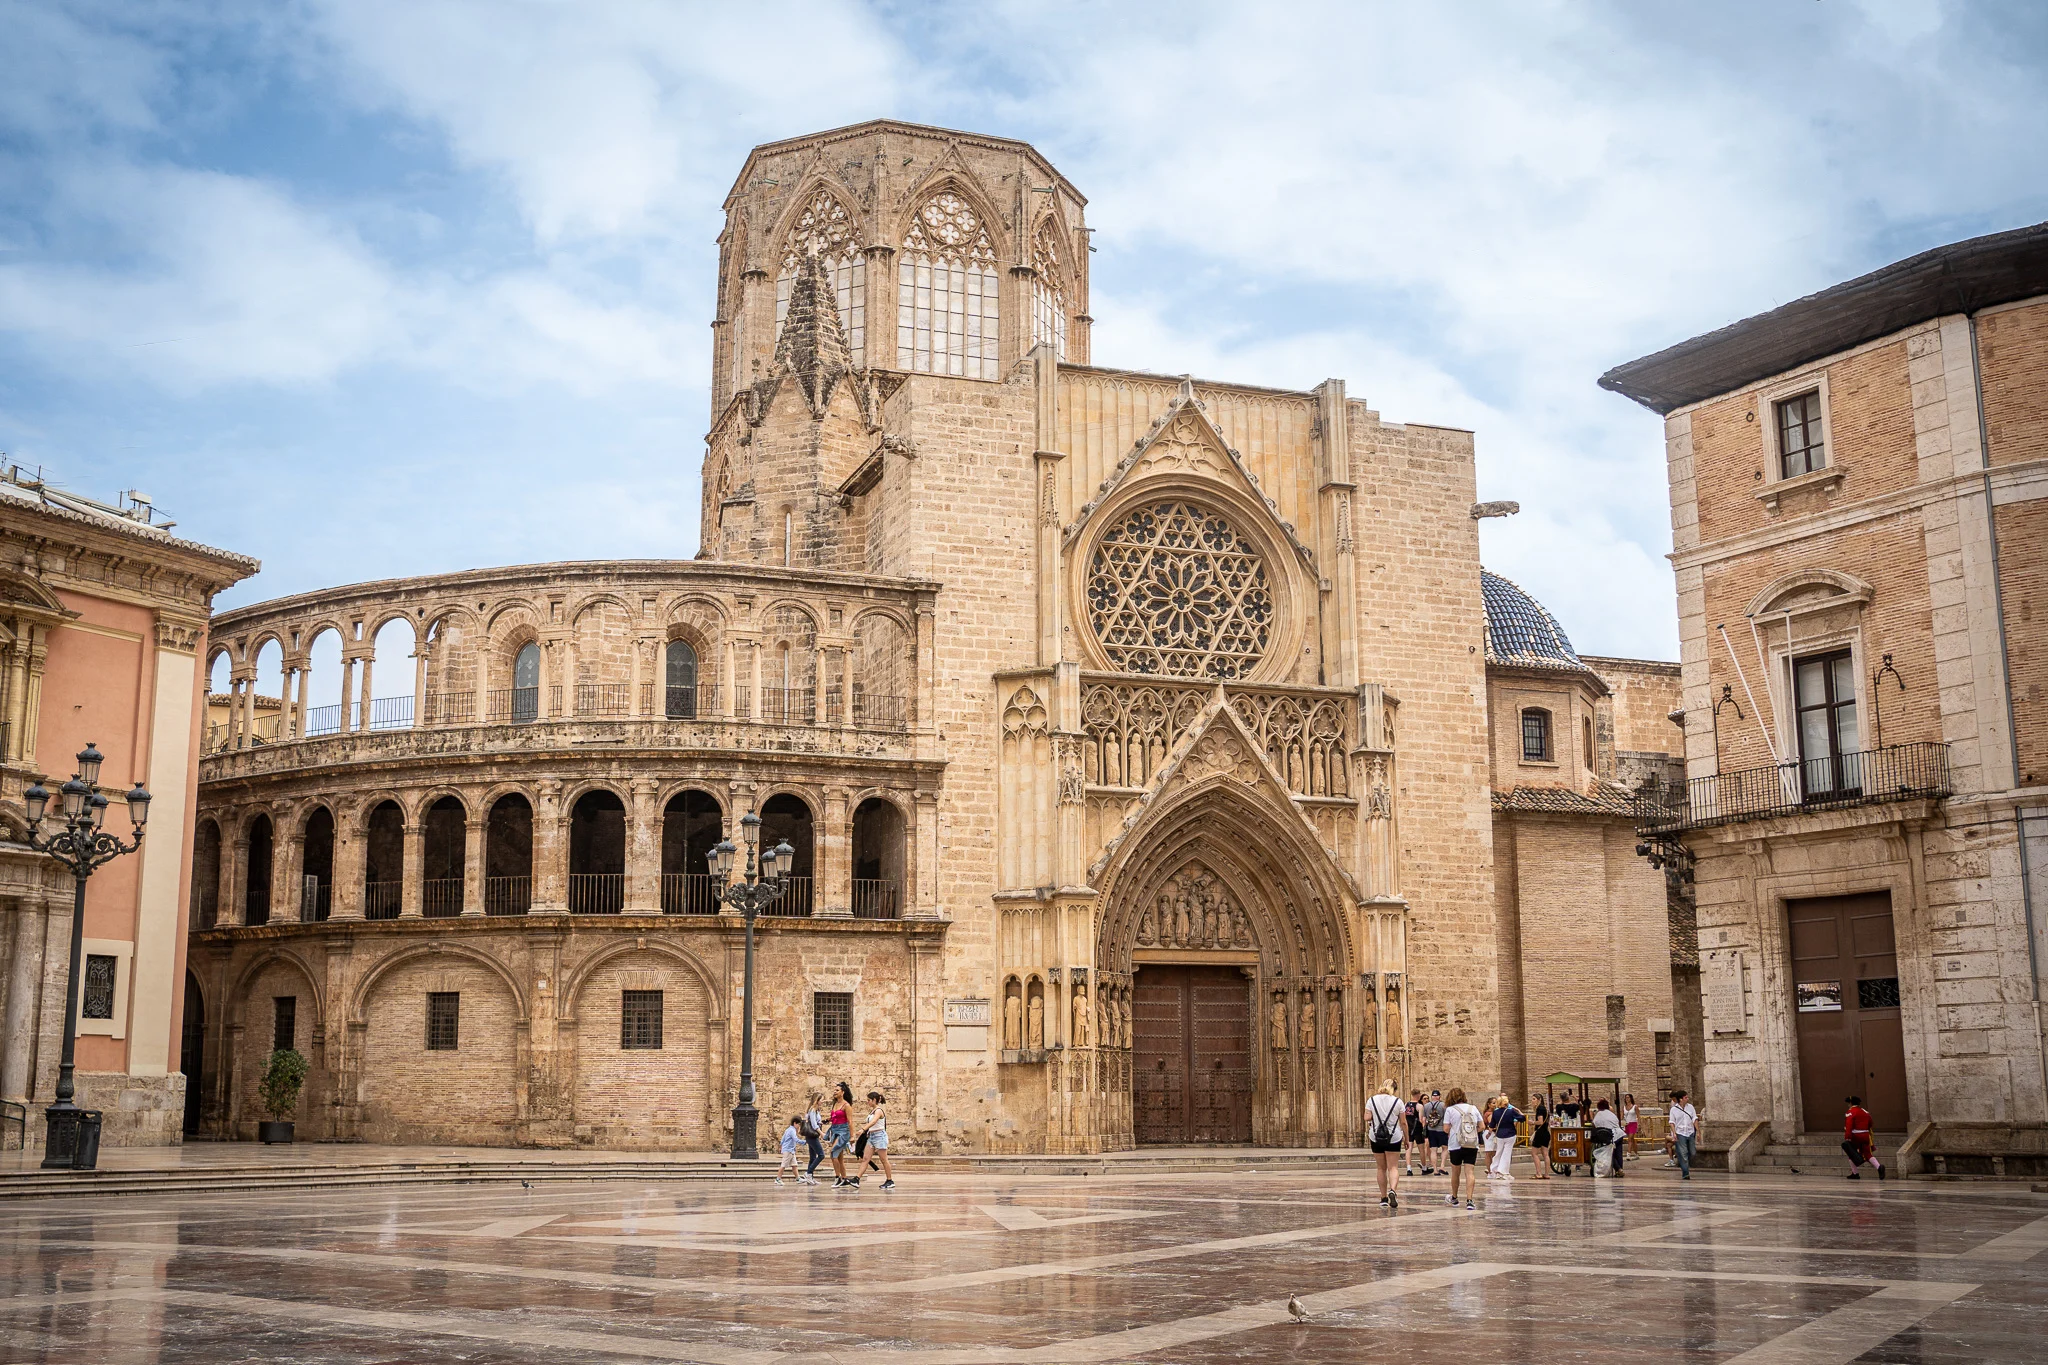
(381, 900)
(687, 893)
(795, 899)
(874, 899)
(597, 893)
(508, 895)
(604, 699)
(441, 897)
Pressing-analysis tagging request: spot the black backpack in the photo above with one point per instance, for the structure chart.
(1385, 1127)
(804, 1128)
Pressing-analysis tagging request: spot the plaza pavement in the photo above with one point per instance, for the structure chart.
(1136, 1264)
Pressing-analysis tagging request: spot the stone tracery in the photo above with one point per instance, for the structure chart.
(1174, 589)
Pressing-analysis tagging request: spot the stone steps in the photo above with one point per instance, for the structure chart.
(1812, 1153)
(229, 1177)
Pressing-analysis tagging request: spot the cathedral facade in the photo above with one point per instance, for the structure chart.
(1131, 731)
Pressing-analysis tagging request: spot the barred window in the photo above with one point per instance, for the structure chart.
(832, 1021)
(946, 311)
(444, 1014)
(1535, 736)
(640, 1020)
(1800, 450)
(826, 227)
(96, 996)
(284, 1023)
(1048, 293)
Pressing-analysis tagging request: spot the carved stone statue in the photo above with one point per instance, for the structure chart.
(1280, 1022)
(1333, 1020)
(1034, 1037)
(1013, 1021)
(1105, 1023)
(1123, 1011)
(1148, 926)
(1081, 1019)
(1244, 927)
(1308, 1022)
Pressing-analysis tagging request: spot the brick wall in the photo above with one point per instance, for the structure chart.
(641, 1097)
(409, 1094)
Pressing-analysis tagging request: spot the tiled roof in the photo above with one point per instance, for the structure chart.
(1563, 801)
(1521, 631)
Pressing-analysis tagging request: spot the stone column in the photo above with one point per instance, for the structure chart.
(846, 685)
(730, 706)
(550, 850)
(923, 903)
(757, 710)
(24, 980)
(643, 850)
(350, 849)
(422, 667)
(832, 839)
(238, 879)
(474, 832)
(411, 885)
(363, 716)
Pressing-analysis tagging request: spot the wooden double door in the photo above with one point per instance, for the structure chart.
(1845, 974)
(1191, 1056)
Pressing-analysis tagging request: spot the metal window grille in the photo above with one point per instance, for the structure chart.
(96, 1000)
(284, 1027)
(640, 1020)
(1799, 444)
(444, 1016)
(1878, 993)
(1535, 736)
(832, 1021)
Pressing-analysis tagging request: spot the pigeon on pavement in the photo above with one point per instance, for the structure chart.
(1296, 1311)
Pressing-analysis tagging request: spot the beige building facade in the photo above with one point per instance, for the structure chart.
(1859, 488)
(1131, 730)
(103, 619)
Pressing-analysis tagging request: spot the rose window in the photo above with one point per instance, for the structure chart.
(1175, 590)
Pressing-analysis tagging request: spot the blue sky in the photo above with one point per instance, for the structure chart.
(370, 289)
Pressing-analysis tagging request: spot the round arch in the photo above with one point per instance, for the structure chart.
(572, 989)
(238, 992)
(365, 987)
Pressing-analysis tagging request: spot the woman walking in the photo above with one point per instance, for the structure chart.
(1539, 1136)
(1505, 1117)
(812, 1132)
(1461, 1126)
(1384, 1119)
(838, 1137)
(877, 1134)
(1631, 1122)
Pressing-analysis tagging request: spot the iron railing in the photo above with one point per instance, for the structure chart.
(880, 713)
(873, 899)
(381, 900)
(449, 708)
(604, 699)
(441, 897)
(315, 899)
(795, 900)
(788, 705)
(323, 720)
(688, 703)
(597, 893)
(687, 893)
(391, 713)
(512, 705)
(1897, 772)
(508, 895)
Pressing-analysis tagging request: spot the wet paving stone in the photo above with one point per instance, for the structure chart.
(975, 1269)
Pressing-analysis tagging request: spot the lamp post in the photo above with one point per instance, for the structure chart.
(82, 846)
(765, 879)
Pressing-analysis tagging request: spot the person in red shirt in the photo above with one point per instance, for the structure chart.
(1856, 1140)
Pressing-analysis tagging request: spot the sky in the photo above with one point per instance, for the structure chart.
(376, 288)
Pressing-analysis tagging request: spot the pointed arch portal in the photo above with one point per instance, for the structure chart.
(1222, 952)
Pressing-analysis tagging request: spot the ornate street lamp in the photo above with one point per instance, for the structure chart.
(765, 880)
(80, 845)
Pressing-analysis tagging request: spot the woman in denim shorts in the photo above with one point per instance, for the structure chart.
(839, 1136)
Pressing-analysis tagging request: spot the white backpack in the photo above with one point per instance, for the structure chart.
(1468, 1127)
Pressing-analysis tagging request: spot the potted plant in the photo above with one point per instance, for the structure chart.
(283, 1075)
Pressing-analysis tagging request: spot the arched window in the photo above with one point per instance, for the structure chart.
(681, 665)
(877, 860)
(691, 826)
(508, 856)
(526, 682)
(384, 862)
(946, 293)
(785, 817)
(826, 227)
(317, 867)
(1535, 736)
(1048, 292)
(256, 892)
(597, 854)
(443, 858)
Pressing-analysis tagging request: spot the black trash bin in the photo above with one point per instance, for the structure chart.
(73, 1143)
(86, 1157)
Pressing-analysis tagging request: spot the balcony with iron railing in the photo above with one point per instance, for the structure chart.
(1867, 777)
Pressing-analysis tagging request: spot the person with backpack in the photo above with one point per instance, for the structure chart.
(1384, 1118)
(1461, 1139)
(811, 1129)
(1411, 1117)
(1433, 1133)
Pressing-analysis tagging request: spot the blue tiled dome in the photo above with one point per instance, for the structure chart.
(1520, 630)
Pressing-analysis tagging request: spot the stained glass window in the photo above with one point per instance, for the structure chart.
(1174, 589)
(96, 998)
(827, 226)
(946, 293)
(1048, 293)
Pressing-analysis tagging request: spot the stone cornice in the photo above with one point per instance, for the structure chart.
(109, 557)
(1877, 508)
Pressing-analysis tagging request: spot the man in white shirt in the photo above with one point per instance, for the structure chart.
(1606, 1139)
(1685, 1127)
(1462, 1136)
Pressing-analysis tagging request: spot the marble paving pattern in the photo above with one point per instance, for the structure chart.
(965, 1270)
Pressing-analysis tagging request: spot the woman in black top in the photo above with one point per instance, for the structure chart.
(1539, 1136)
